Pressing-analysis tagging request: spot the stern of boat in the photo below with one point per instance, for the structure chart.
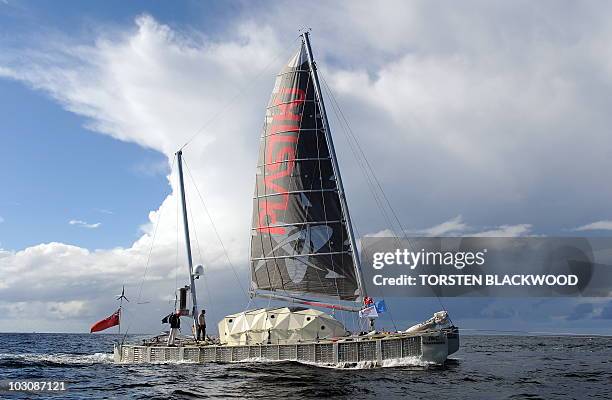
(117, 353)
(438, 345)
(452, 335)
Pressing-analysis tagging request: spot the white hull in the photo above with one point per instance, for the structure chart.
(431, 347)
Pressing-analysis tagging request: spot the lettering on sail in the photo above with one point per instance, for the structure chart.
(281, 145)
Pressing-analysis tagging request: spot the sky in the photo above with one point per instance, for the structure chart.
(479, 118)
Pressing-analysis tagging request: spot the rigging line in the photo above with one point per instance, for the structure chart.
(151, 247)
(148, 262)
(195, 234)
(335, 106)
(317, 132)
(360, 155)
(354, 150)
(212, 222)
(368, 167)
(374, 177)
(240, 92)
(371, 170)
(388, 308)
(248, 305)
(205, 278)
(317, 104)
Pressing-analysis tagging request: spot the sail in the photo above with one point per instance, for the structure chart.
(299, 239)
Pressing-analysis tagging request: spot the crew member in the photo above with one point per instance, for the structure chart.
(175, 327)
(202, 325)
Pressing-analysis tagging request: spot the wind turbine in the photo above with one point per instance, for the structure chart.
(121, 297)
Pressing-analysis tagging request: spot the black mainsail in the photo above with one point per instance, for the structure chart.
(301, 241)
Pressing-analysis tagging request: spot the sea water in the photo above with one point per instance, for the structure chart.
(486, 367)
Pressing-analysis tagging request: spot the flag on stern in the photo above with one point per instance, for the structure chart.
(381, 307)
(106, 323)
(369, 312)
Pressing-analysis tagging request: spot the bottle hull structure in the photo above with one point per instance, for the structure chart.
(430, 347)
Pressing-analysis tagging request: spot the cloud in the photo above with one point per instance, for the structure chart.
(104, 211)
(458, 227)
(580, 311)
(51, 310)
(1, 219)
(498, 311)
(599, 225)
(151, 168)
(606, 311)
(506, 231)
(453, 226)
(84, 224)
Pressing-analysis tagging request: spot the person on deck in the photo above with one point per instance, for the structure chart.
(202, 325)
(175, 326)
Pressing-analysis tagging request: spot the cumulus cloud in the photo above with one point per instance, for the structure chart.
(506, 231)
(150, 168)
(83, 224)
(453, 226)
(463, 112)
(456, 226)
(154, 87)
(56, 310)
(594, 226)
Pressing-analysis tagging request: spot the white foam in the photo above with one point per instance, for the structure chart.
(259, 360)
(406, 362)
(391, 363)
(62, 358)
(172, 362)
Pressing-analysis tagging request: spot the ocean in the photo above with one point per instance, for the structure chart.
(486, 367)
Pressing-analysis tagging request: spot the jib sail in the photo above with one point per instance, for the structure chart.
(299, 237)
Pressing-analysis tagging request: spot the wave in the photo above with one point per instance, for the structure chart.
(390, 363)
(30, 359)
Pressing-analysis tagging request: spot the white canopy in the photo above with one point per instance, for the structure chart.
(284, 325)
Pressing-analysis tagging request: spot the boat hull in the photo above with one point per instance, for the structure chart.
(384, 350)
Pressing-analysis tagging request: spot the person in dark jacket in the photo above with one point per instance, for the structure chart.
(202, 325)
(175, 327)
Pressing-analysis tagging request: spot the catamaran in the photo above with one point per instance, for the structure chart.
(303, 253)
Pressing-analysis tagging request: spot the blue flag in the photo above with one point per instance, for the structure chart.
(381, 307)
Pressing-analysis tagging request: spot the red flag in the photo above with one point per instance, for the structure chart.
(106, 323)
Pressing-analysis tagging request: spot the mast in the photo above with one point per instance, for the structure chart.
(194, 302)
(336, 168)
